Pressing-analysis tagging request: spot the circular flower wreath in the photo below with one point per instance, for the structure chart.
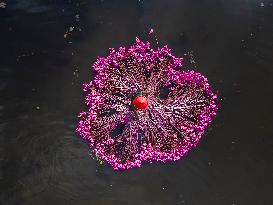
(141, 108)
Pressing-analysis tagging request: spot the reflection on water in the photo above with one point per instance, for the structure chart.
(47, 48)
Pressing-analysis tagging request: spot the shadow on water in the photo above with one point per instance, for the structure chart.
(46, 51)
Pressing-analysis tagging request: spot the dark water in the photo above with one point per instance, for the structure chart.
(46, 48)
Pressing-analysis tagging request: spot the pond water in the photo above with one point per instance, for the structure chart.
(46, 49)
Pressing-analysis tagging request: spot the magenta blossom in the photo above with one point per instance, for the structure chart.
(142, 108)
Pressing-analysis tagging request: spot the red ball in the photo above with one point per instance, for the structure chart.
(140, 103)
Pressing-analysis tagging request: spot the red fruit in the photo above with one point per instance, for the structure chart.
(140, 103)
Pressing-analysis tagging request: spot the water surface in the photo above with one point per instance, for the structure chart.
(46, 49)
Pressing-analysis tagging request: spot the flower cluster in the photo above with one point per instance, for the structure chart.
(180, 106)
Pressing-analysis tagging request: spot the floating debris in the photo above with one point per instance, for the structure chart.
(71, 28)
(68, 33)
(77, 16)
(3, 5)
(25, 55)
